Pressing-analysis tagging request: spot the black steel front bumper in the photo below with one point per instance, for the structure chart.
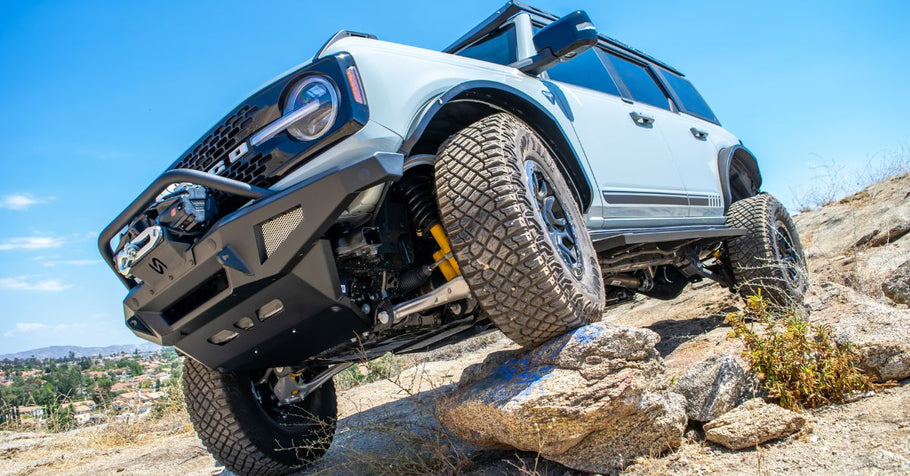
(263, 272)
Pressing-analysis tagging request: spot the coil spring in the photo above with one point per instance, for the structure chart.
(418, 194)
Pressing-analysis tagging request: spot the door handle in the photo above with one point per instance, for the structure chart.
(698, 134)
(641, 119)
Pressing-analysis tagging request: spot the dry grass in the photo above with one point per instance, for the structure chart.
(421, 446)
(167, 417)
(69, 452)
(832, 182)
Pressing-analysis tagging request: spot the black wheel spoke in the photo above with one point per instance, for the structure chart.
(554, 218)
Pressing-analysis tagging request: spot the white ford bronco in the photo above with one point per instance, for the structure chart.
(384, 198)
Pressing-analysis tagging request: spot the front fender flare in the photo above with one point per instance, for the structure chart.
(506, 98)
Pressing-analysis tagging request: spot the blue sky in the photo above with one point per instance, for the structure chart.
(97, 98)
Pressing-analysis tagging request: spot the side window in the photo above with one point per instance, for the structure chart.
(498, 48)
(690, 101)
(641, 84)
(585, 70)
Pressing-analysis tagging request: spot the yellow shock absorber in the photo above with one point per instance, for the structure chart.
(448, 267)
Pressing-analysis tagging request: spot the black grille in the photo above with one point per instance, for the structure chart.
(214, 148)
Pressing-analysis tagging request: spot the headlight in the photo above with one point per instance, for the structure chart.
(315, 100)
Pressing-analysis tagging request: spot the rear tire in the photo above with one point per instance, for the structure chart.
(769, 257)
(516, 231)
(250, 437)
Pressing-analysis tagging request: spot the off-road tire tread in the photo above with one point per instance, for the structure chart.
(208, 394)
(751, 256)
(501, 247)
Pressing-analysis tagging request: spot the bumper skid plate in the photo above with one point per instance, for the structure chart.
(260, 289)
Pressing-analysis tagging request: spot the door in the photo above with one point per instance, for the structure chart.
(690, 135)
(635, 169)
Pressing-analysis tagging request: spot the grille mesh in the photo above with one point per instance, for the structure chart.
(276, 230)
(216, 147)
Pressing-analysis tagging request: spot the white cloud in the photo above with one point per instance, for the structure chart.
(29, 326)
(25, 327)
(31, 243)
(20, 201)
(17, 202)
(70, 262)
(23, 283)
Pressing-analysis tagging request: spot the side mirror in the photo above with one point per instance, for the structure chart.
(561, 40)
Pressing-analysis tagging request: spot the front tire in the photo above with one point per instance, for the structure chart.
(516, 231)
(241, 427)
(769, 257)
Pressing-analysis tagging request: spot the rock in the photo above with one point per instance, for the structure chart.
(897, 285)
(865, 239)
(593, 400)
(879, 334)
(753, 423)
(713, 387)
(893, 235)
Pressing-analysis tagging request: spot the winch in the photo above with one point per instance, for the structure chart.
(181, 213)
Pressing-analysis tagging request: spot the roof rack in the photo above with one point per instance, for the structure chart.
(512, 8)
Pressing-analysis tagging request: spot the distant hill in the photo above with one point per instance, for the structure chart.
(59, 351)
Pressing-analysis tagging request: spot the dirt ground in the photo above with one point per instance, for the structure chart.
(388, 427)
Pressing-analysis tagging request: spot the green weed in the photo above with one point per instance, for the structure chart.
(799, 363)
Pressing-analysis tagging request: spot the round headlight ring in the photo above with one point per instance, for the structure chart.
(316, 124)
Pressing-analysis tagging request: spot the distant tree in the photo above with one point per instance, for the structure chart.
(85, 363)
(135, 368)
(100, 390)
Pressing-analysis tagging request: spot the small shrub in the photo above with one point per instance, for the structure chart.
(60, 417)
(380, 368)
(799, 363)
(173, 402)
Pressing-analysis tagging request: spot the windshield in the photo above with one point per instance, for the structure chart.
(496, 48)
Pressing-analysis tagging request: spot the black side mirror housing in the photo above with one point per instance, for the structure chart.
(561, 40)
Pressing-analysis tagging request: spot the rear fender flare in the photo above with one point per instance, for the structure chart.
(740, 176)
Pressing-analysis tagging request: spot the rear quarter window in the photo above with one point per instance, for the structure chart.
(690, 101)
(640, 83)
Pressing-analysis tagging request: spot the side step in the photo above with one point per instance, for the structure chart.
(609, 240)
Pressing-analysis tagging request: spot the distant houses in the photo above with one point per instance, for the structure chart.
(139, 399)
(129, 393)
(34, 411)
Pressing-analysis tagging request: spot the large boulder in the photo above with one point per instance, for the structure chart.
(593, 400)
(714, 386)
(753, 423)
(879, 334)
(897, 285)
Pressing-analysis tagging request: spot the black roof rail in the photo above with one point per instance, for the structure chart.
(512, 8)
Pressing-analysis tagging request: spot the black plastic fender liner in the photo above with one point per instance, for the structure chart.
(230, 279)
(501, 97)
(747, 160)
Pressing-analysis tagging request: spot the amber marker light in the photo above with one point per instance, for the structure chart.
(354, 84)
